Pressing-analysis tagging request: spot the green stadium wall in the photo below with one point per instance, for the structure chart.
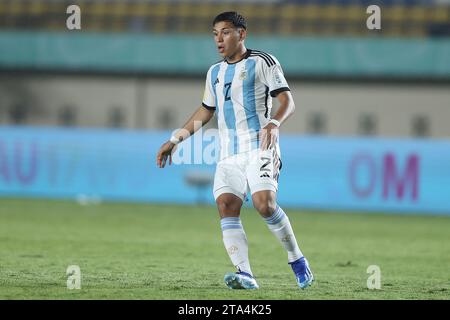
(175, 54)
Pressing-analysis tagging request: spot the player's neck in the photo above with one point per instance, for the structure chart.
(238, 55)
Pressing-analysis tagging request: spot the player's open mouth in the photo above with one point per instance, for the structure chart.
(221, 49)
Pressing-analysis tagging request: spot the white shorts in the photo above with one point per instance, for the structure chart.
(252, 171)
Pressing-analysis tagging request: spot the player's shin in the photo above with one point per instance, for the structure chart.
(235, 242)
(281, 227)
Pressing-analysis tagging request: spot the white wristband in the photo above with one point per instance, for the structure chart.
(174, 140)
(275, 122)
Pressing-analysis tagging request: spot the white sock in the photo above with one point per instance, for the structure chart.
(280, 226)
(235, 242)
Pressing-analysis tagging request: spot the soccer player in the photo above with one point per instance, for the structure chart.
(239, 89)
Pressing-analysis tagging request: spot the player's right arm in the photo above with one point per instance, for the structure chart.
(198, 119)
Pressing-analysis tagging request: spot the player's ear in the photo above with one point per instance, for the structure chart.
(242, 34)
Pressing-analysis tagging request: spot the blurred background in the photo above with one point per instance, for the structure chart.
(83, 112)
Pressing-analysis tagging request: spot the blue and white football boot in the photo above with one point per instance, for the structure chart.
(302, 272)
(240, 280)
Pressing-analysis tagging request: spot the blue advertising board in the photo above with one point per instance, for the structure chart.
(324, 173)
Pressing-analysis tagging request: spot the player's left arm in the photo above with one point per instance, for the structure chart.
(269, 134)
(271, 74)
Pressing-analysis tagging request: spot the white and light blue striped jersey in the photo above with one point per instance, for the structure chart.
(241, 94)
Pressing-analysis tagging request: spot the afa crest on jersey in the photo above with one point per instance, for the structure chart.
(243, 74)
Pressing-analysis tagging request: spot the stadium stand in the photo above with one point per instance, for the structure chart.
(407, 18)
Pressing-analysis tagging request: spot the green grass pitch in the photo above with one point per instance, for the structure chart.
(146, 251)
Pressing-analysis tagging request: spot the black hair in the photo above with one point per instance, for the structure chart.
(231, 16)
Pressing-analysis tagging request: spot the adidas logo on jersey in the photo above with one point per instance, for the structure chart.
(265, 175)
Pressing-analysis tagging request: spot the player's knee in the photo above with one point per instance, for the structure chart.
(266, 208)
(228, 207)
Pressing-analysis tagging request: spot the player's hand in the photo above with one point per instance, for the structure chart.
(268, 136)
(165, 152)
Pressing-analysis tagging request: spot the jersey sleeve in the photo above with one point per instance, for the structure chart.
(209, 98)
(273, 76)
